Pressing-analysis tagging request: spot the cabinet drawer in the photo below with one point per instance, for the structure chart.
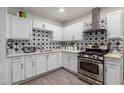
(31, 57)
(18, 59)
(113, 61)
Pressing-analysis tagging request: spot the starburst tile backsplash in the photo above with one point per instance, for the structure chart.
(42, 40)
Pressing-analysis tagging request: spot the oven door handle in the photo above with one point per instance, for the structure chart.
(95, 61)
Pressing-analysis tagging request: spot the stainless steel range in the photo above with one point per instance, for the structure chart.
(91, 65)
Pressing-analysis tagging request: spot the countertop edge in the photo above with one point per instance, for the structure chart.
(36, 53)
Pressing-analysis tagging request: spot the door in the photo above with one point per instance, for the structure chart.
(52, 61)
(30, 68)
(112, 75)
(73, 32)
(73, 64)
(41, 63)
(91, 68)
(21, 28)
(17, 72)
(114, 24)
(59, 57)
(78, 31)
(67, 33)
(37, 24)
(65, 61)
(57, 33)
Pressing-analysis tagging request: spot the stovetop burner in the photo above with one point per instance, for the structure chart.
(94, 53)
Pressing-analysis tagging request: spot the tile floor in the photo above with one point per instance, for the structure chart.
(60, 77)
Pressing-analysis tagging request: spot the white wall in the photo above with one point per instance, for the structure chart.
(13, 10)
(3, 63)
(88, 17)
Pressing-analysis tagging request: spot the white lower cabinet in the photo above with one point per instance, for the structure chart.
(113, 71)
(52, 61)
(41, 63)
(25, 67)
(70, 61)
(65, 62)
(17, 71)
(112, 75)
(59, 59)
(30, 69)
(73, 64)
(30, 66)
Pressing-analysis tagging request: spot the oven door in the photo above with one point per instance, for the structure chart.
(91, 68)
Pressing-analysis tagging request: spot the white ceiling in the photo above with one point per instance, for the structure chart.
(70, 13)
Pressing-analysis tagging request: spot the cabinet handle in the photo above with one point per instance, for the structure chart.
(33, 63)
(21, 66)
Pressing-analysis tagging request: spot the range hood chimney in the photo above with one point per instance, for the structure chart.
(95, 18)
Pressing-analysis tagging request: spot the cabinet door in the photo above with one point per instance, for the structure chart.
(112, 75)
(68, 35)
(41, 64)
(30, 68)
(59, 57)
(65, 61)
(73, 64)
(114, 24)
(52, 61)
(37, 24)
(17, 72)
(21, 28)
(78, 31)
(57, 33)
(73, 32)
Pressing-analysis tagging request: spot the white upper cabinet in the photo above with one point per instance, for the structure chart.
(19, 28)
(57, 30)
(37, 24)
(115, 24)
(73, 32)
(57, 33)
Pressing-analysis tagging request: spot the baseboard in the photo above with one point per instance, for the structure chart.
(70, 71)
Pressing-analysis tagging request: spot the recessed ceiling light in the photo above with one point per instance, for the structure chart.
(61, 9)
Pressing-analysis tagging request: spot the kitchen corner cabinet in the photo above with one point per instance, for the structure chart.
(18, 27)
(115, 24)
(41, 63)
(73, 32)
(52, 61)
(70, 61)
(113, 71)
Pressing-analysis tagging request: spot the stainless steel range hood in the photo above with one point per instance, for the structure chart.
(95, 18)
